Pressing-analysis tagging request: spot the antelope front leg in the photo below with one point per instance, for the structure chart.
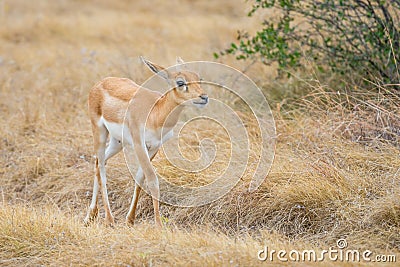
(154, 189)
(157, 217)
(144, 161)
(130, 217)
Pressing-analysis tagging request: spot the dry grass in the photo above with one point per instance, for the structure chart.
(35, 236)
(336, 173)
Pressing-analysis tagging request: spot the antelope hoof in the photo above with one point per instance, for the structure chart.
(92, 215)
(159, 224)
(129, 222)
(110, 221)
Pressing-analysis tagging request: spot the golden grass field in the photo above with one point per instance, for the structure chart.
(336, 172)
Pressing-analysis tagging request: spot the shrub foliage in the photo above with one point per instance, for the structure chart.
(341, 35)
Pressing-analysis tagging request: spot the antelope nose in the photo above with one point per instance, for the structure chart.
(204, 97)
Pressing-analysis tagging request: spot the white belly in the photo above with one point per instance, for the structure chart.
(118, 131)
(153, 139)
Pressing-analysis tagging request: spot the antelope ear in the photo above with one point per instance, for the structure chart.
(179, 60)
(157, 69)
(180, 64)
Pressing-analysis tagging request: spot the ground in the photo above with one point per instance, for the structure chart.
(335, 174)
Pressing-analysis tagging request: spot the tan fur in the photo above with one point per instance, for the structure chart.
(110, 97)
(109, 100)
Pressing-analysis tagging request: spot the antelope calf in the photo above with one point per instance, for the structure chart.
(150, 118)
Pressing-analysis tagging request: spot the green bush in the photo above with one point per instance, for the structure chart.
(345, 36)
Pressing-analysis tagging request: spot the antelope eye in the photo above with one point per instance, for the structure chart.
(180, 83)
